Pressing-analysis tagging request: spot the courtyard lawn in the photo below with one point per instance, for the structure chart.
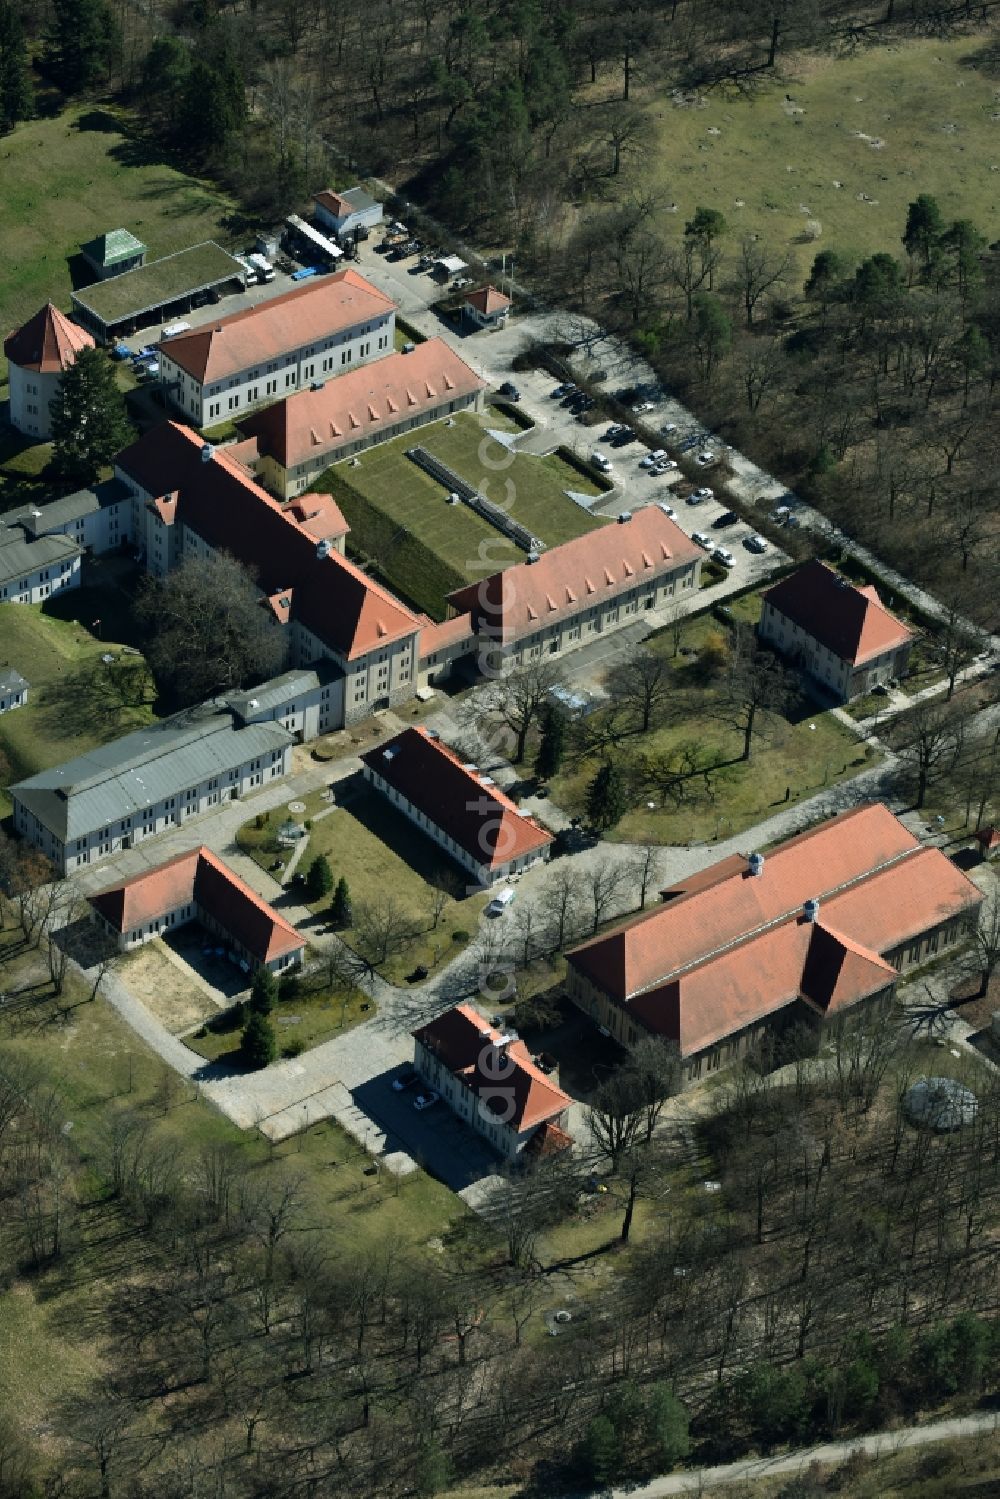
(71, 177)
(383, 857)
(75, 700)
(845, 141)
(794, 756)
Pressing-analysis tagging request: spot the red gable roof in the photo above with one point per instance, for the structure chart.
(271, 330)
(371, 398)
(851, 622)
(468, 807)
(47, 343)
(221, 502)
(728, 947)
(487, 300)
(200, 877)
(592, 567)
(507, 1082)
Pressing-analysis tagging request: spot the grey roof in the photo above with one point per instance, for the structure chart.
(11, 681)
(359, 199)
(19, 558)
(38, 520)
(277, 690)
(117, 779)
(112, 248)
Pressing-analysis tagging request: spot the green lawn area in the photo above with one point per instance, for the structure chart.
(800, 753)
(382, 855)
(769, 163)
(532, 489)
(66, 180)
(76, 700)
(313, 1014)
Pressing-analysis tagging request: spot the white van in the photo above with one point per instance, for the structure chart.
(500, 902)
(262, 266)
(172, 330)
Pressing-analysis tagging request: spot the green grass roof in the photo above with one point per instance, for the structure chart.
(154, 285)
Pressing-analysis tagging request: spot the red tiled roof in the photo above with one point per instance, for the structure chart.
(375, 397)
(728, 948)
(435, 637)
(333, 202)
(320, 515)
(508, 1083)
(851, 622)
(47, 343)
(200, 877)
(222, 504)
(582, 572)
(467, 807)
(304, 316)
(488, 301)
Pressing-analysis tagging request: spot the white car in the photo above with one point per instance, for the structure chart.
(701, 540)
(704, 458)
(641, 407)
(699, 496)
(668, 511)
(600, 461)
(724, 556)
(500, 902)
(755, 543)
(665, 466)
(668, 429)
(648, 462)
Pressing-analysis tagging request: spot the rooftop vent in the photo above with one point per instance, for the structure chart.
(254, 703)
(532, 557)
(207, 452)
(625, 517)
(433, 734)
(324, 548)
(316, 384)
(756, 863)
(810, 908)
(391, 752)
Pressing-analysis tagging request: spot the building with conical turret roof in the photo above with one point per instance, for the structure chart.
(38, 353)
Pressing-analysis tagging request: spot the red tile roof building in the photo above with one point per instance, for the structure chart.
(456, 805)
(569, 595)
(825, 922)
(38, 353)
(329, 606)
(304, 433)
(198, 886)
(844, 636)
(490, 1080)
(313, 333)
(487, 307)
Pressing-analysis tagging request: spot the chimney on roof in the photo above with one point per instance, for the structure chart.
(324, 548)
(532, 557)
(755, 864)
(207, 452)
(625, 517)
(810, 909)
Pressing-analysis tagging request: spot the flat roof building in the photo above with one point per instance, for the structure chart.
(153, 292)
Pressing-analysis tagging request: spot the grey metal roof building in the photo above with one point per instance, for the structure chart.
(12, 681)
(39, 520)
(20, 558)
(117, 780)
(277, 691)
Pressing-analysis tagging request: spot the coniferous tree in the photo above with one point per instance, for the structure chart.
(89, 424)
(552, 745)
(16, 99)
(82, 43)
(607, 797)
(319, 879)
(263, 992)
(340, 906)
(258, 1042)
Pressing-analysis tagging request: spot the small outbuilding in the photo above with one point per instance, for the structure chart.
(344, 213)
(486, 307)
(941, 1104)
(114, 253)
(13, 690)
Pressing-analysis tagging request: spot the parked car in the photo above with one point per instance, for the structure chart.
(727, 518)
(613, 431)
(724, 556)
(665, 466)
(623, 437)
(668, 429)
(705, 458)
(699, 496)
(508, 388)
(648, 462)
(755, 543)
(599, 460)
(425, 1101)
(688, 444)
(669, 511)
(500, 902)
(558, 393)
(405, 1079)
(641, 407)
(701, 540)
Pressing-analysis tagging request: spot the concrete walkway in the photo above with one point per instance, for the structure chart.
(750, 1470)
